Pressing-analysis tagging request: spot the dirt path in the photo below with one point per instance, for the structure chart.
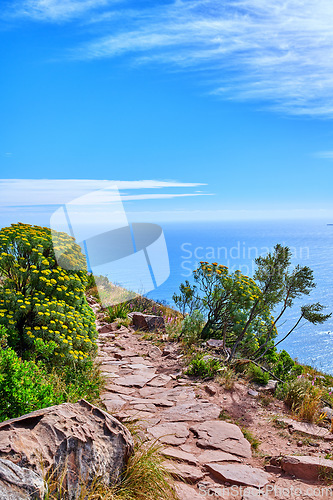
(188, 418)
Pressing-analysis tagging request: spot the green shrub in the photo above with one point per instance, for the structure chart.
(23, 386)
(256, 374)
(302, 397)
(118, 311)
(43, 305)
(203, 367)
(192, 326)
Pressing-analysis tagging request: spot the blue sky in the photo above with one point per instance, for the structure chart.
(230, 104)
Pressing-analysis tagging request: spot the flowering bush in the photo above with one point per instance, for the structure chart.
(43, 305)
(226, 300)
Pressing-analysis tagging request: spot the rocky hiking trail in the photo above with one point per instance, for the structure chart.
(209, 456)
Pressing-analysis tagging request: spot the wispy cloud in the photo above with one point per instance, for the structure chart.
(57, 10)
(278, 53)
(327, 155)
(23, 192)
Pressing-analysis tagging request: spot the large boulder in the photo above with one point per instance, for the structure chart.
(147, 321)
(19, 483)
(79, 440)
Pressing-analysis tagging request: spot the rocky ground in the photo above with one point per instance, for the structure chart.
(196, 422)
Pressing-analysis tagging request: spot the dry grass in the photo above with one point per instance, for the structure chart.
(145, 478)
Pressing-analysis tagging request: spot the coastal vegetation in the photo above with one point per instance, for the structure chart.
(47, 328)
(242, 315)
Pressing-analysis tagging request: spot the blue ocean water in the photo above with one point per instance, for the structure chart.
(236, 244)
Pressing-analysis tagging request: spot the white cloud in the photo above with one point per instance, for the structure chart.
(327, 155)
(277, 52)
(58, 10)
(21, 192)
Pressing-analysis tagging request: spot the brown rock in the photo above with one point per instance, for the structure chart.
(159, 381)
(307, 467)
(196, 412)
(187, 473)
(78, 436)
(19, 483)
(170, 433)
(306, 428)
(253, 494)
(182, 456)
(217, 456)
(239, 474)
(147, 321)
(211, 391)
(107, 328)
(222, 436)
(135, 380)
(186, 492)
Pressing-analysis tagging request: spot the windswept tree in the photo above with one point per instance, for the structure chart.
(239, 309)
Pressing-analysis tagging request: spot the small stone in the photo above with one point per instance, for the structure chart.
(211, 391)
(253, 393)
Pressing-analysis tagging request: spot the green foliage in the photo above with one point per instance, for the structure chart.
(256, 374)
(187, 300)
(254, 442)
(118, 311)
(43, 305)
(238, 309)
(203, 367)
(192, 326)
(23, 386)
(282, 365)
(303, 397)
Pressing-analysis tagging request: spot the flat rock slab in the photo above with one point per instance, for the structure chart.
(145, 407)
(187, 473)
(134, 380)
(307, 467)
(185, 492)
(119, 389)
(192, 412)
(222, 436)
(138, 366)
(156, 402)
(113, 405)
(217, 456)
(160, 381)
(239, 474)
(170, 433)
(311, 429)
(253, 494)
(176, 394)
(180, 455)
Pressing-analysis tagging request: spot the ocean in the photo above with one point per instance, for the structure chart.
(236, 244)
